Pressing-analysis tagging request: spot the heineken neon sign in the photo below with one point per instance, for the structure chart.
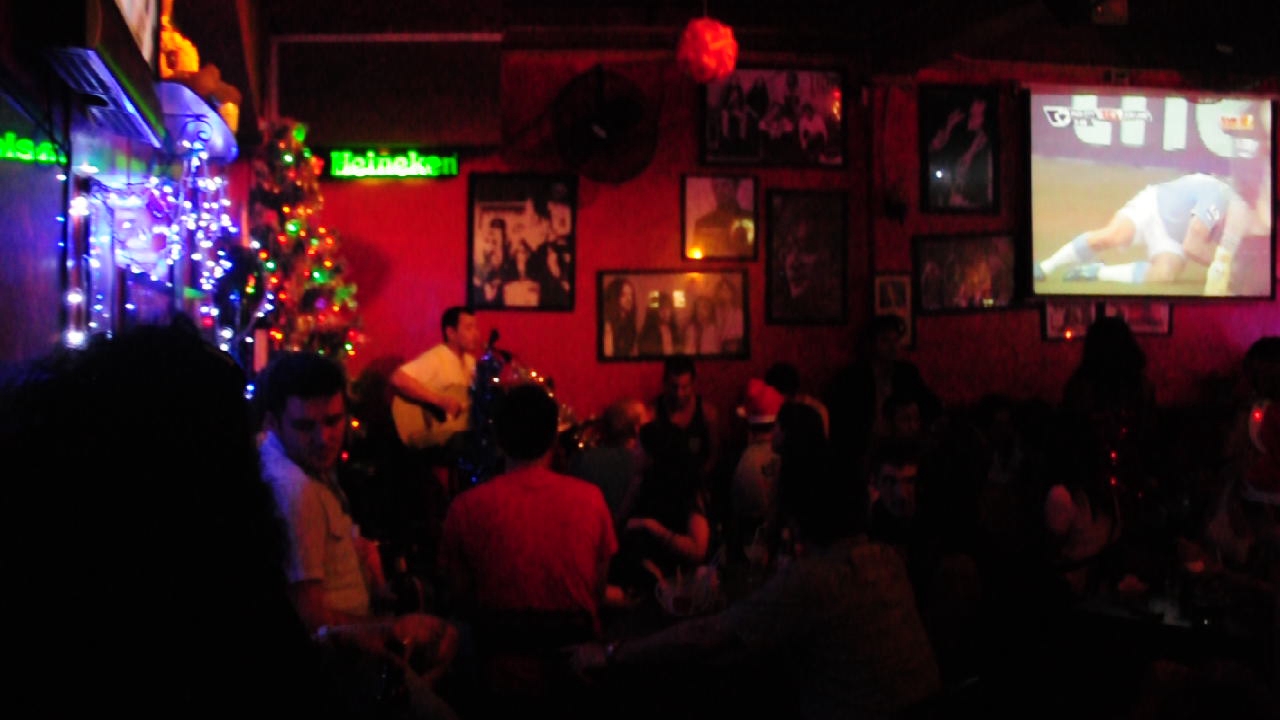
(27, 150)
(373, 163)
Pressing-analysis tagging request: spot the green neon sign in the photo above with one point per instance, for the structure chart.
(370, 163)
(27, 150)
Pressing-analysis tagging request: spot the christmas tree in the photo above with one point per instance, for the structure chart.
(305, 303)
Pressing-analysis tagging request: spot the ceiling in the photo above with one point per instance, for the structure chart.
(1223, 39)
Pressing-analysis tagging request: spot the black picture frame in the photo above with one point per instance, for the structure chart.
(1066, 320)
(1144, 317)
(769, 124)
(806, 278)
(513, 210)
(963, 273)
(892, 295)
(721, 296)
(959, 149)
(718, 217)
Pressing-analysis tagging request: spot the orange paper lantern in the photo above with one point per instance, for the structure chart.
(707, 50)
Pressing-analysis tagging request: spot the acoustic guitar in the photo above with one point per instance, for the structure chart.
(424, 425)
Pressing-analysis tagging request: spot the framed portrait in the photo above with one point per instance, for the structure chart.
(892, 296)
(718, 217)
(959, 146)
(1143, 316)
(1067, 319)
(962, 273)
(775, 116)
(652, 314)
(805, 273)
(521, 247)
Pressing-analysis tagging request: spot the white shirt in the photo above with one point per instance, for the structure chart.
(321, 533)
(440, 368)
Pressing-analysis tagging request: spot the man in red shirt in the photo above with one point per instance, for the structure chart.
(526, 554)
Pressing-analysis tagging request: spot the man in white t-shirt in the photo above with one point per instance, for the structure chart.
(440, 378)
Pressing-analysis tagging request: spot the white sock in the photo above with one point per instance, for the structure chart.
(1126, 272)
(1074, 252)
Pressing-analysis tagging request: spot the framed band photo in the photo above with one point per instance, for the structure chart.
(521, 245)
(1067, 319)
(959, 145)
(1143, 316)
(775, 116)
(652, 314)
(806, 278)
(892, 296)
(963, 273)
(718, 214)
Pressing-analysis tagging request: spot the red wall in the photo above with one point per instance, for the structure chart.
(406, 246)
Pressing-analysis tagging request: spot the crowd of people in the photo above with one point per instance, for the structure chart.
(864, 551)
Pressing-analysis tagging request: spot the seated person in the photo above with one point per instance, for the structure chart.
(331, 567)
(147, 554)
(613, 464)
(668, 528)
(837, 632)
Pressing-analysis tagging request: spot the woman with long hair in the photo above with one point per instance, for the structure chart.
(660, 334)
(620, 318)
(702, 334)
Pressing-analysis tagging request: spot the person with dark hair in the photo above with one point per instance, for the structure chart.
(552, 252)
(858, 392)
(728, 229)
(695, 421)
(785, 378)
(331, 567)
(960, 158)
(836, 632)
(147, 560)
(526, 557)
(619, 317)
(486, 266)
(439, 382)
(807, 272)
(613, 463)
(1108, 398)
(660, 333)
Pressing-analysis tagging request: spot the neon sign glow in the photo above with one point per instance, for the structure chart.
(27, 150)
(370, 163)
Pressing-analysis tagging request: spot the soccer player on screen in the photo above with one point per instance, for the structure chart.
(1194, 217)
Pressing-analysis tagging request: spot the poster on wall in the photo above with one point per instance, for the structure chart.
(521, 249)
(806, 268)
(719, 214)
(651, 314)
(892, 296)
(774, 116)
(958, 149)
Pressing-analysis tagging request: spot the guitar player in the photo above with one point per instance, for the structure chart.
(432, 400)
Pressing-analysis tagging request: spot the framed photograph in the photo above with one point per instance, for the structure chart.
(719, 217)
(1067, 319)
(959, 145)
(651, 314)
(893, 297)
(775, 116)
(1143, 316)
(806, 269)
(521, 247)
(963, 273)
